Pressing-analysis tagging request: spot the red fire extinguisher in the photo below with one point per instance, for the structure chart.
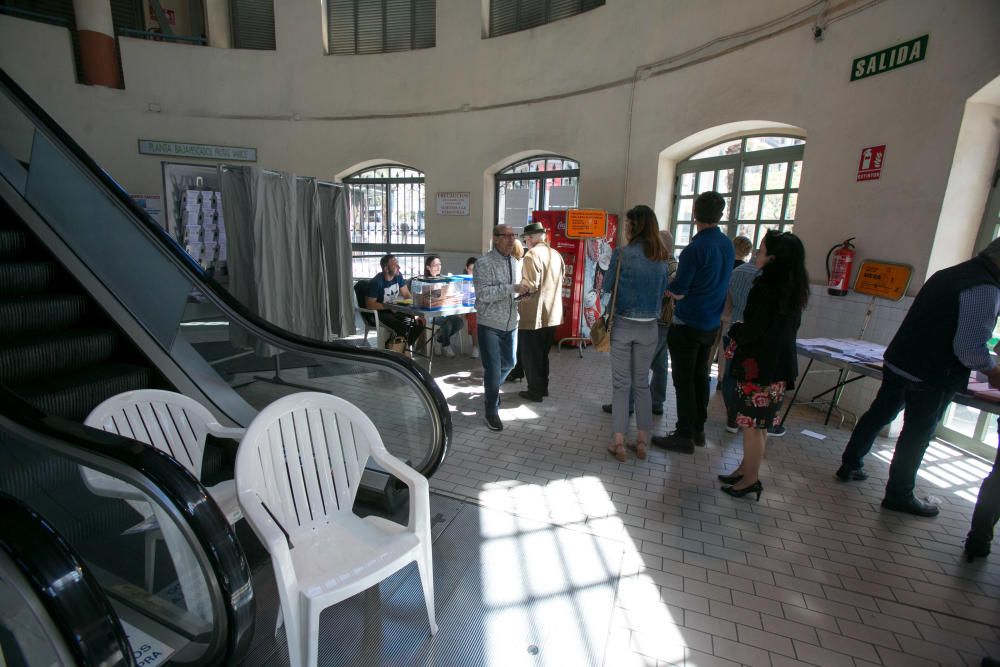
(838, 276)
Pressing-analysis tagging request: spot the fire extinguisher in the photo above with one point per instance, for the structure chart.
(838, 276)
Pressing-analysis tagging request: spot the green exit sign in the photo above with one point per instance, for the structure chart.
(892, 58)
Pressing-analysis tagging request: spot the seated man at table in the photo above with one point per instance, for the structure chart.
(386, 287)
(941, 339)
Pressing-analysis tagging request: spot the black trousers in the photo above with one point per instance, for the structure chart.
(987, 511)
(401, 325)
(533, 346)
(690, 365)
(923, 404)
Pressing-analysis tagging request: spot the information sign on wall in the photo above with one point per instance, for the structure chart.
(870, 164)
(586, 223)
(204, 151)
(892, 58)
(886, 280)
(453, 203)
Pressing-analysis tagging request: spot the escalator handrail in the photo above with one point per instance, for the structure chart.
(232, 307)
(64, 585)
(163, 479)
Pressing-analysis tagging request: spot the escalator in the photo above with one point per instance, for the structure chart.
(96, 299)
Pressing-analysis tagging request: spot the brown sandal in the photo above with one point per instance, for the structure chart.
(618, 451)
(640, 450)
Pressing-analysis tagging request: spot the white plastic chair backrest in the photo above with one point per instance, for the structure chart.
(303, 456)
(169, 421)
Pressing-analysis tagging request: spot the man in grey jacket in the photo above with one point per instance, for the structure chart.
(497, 276)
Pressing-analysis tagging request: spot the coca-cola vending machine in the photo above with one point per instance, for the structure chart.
(586, 263)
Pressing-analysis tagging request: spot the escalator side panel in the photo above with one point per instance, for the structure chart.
(78, 212)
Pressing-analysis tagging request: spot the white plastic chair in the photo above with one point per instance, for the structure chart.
(172, 423)
(297, 473)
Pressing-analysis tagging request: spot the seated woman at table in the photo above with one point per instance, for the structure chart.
(447, 326)
(764, 361)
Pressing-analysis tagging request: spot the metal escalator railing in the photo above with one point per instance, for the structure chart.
(55, 612)
(200, 338)
(199, 609)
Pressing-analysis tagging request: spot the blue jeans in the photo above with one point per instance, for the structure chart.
(448, 327)
(923, 405)
(496, 350)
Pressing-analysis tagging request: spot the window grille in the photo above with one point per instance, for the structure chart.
(387, 215)
(253, 24)
(540, 183)
(507, 16)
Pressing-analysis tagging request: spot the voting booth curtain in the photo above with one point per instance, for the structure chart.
(289, 250)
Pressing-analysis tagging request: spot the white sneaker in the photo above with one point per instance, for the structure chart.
(475, 352)
(447, 351)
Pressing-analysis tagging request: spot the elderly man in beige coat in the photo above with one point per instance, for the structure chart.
(540, 310)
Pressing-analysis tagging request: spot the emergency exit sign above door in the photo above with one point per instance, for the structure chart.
(892, 58)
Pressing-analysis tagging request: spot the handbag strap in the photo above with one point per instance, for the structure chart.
(614, 291)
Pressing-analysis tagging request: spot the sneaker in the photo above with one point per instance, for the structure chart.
(675, 443)
(776, 431)
(699, 439)
(911, 505)
(732, 426)
(475, 352)
(447, 351)
(658, 409)
(845, 474)
(976, 548)
(493, 421)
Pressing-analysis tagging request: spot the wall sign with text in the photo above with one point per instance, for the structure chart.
(894, 57)
(870, 164)
(586, 223)
(887, 280)
(452, 203)
(203, 151)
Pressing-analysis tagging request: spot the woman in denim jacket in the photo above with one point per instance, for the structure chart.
(641, 285)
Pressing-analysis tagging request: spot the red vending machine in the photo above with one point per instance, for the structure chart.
(586, 261)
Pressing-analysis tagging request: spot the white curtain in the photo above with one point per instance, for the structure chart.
(284, 231)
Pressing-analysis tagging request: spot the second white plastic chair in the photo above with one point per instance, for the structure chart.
(297, 474)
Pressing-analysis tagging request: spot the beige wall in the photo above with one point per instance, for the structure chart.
(567, 88)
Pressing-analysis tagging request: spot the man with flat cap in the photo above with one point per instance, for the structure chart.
(540, 309)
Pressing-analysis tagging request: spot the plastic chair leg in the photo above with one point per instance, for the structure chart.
(426, 570)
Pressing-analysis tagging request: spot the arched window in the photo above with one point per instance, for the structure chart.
(539, 183)
(387, 215)
(759, 178)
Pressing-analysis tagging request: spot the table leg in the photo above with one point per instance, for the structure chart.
(836, 396)
(796, 393)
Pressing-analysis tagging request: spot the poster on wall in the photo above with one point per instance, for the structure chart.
(152, 204)
(515, 209)
(870, 164)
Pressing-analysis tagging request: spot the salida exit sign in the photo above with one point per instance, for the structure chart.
(894, 57)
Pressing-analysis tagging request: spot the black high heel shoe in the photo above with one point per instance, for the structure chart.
(731, 479)
(756, 488)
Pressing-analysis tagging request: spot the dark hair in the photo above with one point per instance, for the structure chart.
(646, 229)
(471, 260)
(427, 263)
(786, 270)
(386, 258)
(708, 207)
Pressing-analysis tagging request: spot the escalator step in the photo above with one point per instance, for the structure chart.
(75, 394)
(27, 277)
(21, 315)
(56, 353)
(14, 243)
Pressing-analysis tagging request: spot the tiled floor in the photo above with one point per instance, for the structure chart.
(815, 573)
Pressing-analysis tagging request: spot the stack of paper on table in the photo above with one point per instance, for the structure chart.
(846, 349)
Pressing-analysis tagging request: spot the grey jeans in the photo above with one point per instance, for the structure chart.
(632, 347)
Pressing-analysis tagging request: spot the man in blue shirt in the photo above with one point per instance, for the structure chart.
(699, 289)
(388, 286)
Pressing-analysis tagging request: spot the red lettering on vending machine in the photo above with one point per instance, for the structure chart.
(870, 166)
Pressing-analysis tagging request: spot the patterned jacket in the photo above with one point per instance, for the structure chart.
(494, 277)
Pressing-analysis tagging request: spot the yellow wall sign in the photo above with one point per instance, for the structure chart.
(887, 280)
(586, 223)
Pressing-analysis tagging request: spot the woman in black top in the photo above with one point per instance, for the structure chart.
(764, 361)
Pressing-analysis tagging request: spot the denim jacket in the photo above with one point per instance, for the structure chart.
(643, 283)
